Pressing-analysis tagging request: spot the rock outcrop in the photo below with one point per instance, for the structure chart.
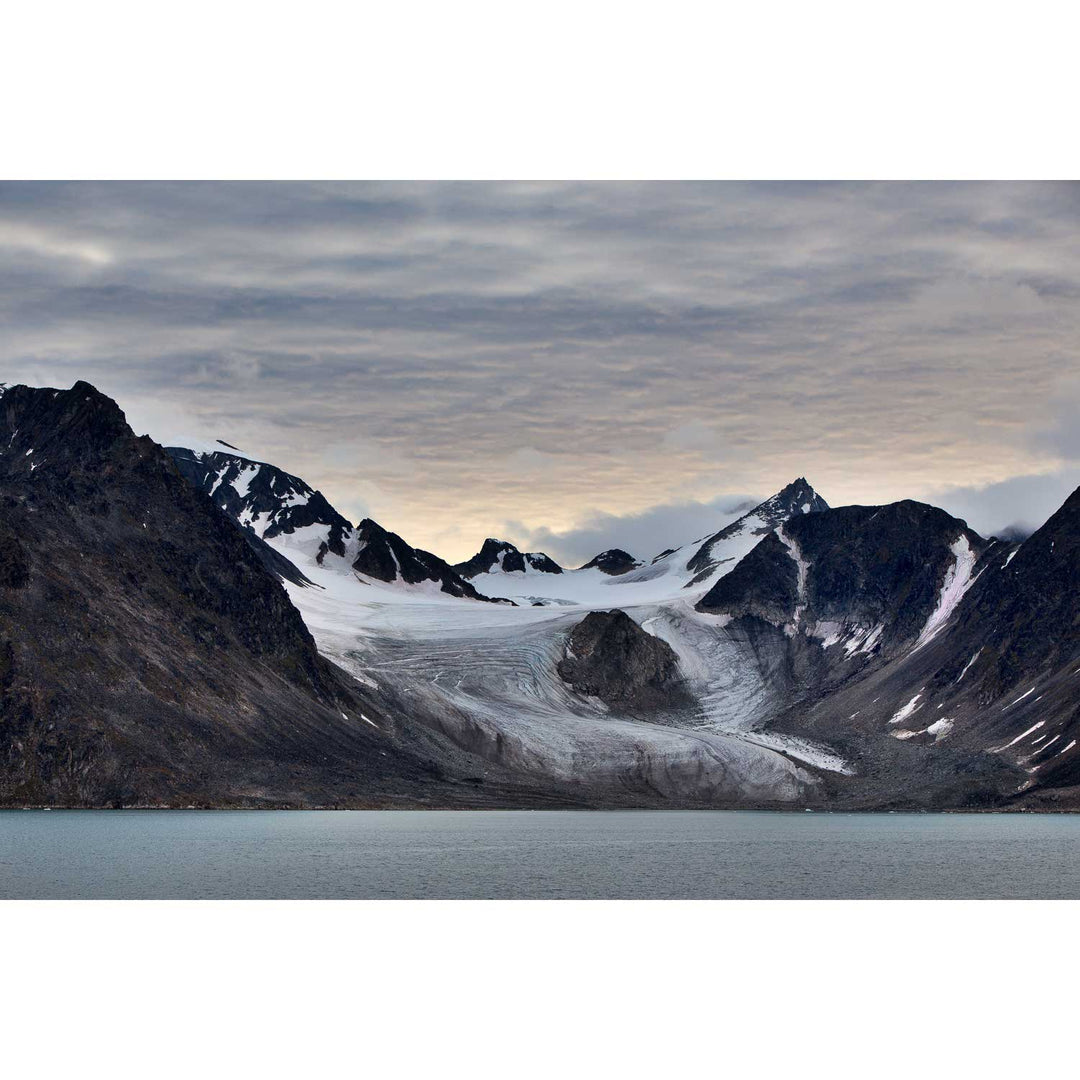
(614, 562)
(607, 655)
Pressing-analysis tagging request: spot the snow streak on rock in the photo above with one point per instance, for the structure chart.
(958, 579)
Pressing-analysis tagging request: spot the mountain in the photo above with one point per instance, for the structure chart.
(702, 561)
(147, 656)
(261, 497)
(300, 526)
(501, 557)
(869, 578)
(879, 626)
(196, 627)
(796, 499)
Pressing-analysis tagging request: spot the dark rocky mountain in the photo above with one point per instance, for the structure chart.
(193, 469)
(945, 666)
(500, 555)
(1027, 614)
(385, 556)
(1008, 671)
(147, 656)
(831, 594)
(614, 561)
(607, 655)
(863, 578)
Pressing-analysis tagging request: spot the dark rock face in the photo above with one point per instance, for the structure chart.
(1031, 599)
(797, 499)
(609, 656)
(502, 554)
(614, 561)
(266, 500)
(14, 559)
(146, 654)
(881, 564)
(1010, 660)
(487, 557)
(385, 556)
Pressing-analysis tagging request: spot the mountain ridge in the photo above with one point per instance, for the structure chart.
(273, 504)
(194, 627)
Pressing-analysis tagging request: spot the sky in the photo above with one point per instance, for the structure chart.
(573, 366)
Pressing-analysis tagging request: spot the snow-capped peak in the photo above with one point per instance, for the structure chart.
(262, 497)
(698, 561)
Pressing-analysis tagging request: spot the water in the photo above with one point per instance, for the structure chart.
(165, 854)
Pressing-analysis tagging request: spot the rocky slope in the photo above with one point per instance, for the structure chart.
(384, 556)
(262, 497)
(795, 500)
(943, 665)
(867, 578)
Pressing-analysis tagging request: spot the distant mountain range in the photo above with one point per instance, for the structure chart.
(190, 626)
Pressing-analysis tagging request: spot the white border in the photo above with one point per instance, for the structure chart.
(590, 89)
(530, 989)
(583, 90)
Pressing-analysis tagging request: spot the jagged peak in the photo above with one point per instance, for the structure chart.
(800, 489)
(369, 527)
(213, 449)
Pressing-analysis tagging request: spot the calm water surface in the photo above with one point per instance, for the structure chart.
(162, 854)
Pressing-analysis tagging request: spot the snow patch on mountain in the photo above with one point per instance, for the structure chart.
(905, 711)
(958, 579)
(974, 656)
(802, 568)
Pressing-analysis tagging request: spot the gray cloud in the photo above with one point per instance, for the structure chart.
(1015, 506)
(650, 345)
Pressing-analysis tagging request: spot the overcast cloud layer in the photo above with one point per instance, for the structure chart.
(465, 360)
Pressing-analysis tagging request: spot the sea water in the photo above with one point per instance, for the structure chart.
(395, 854)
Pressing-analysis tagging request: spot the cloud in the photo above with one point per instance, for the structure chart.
(549, 353)
(1017, 506)
(1055, 429)
(698, 437)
